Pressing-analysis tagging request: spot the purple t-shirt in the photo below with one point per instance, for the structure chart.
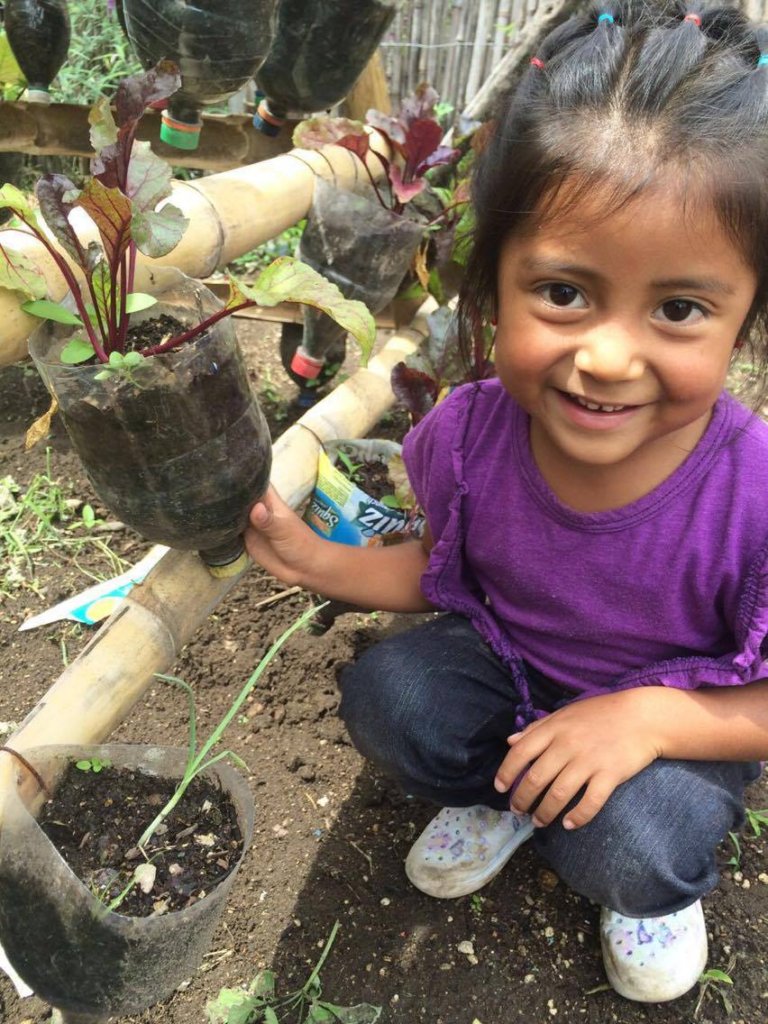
(671, 589)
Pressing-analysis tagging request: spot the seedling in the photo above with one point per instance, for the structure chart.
(260, 1004)
(758, 820)
(199, 760)
(350, 467)
(719, 982)
(735, 860)
(93, 764)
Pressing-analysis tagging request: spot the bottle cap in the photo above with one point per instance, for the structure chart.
(267, 122)
(305, 365)
(180, 134)
(37, 94)
(223, 572)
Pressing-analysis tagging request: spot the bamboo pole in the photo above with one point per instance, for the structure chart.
(229, 213)
(146, 633)
(479, 48)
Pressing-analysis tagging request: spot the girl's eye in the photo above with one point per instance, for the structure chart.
(680, 311)
(564, 296)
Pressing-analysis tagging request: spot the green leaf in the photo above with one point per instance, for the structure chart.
(362, 1013)
(88, 515)
(132, 360)
(116, 360)
(263, 985)
(137, 301)
(48, 310)
(270, 1017)
(13, 198)
(77, 350)
(289, 280)
(84, 766)
(319, 1014)
(713, 974)
(149, 178)
(10, 72)
(21, 274)
(103, 127)
(156, 232)
(231, 1006)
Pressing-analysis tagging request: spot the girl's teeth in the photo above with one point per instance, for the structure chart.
(594, 407)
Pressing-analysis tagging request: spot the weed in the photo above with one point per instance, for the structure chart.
(758, 820)
(718, 982)
(349, 467)
(476, 902)
(260, 1004)
(735, 860)
(39, 523)
(284, 244)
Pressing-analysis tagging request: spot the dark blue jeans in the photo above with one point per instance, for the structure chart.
(433, 706)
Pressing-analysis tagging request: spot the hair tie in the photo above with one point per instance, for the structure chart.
(762, 60)
(537, 62)
(695, 18)
(605, 17)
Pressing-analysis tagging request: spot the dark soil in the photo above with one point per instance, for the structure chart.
(331, 833)
(95, 819)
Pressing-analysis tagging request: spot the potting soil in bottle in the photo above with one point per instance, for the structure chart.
(218, 45)
(320, 50)
(38, 33)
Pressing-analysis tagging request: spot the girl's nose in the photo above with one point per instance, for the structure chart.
(609, 354)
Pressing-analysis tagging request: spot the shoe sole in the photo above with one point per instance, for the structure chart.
(439, 885)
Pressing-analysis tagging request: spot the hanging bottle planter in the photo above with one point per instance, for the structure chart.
(218, 46)
(320, 50)
(365, 250)
(38, 32)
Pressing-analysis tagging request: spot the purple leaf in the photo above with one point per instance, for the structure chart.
(389, 126)
(421, 104)
(421, 141)
(442, 155)
(149, 178)
(404, 191)
(157, 232)
(323, 131)
(57, 195)
(416, 390)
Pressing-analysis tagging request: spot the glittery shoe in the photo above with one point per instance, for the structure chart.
(463, 848)
(654, 959)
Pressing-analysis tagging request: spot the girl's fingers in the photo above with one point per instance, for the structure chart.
(536, 780)
(561, 791)
(525, 749)
(598, 791)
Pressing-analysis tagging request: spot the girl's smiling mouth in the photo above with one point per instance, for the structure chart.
(586, 412)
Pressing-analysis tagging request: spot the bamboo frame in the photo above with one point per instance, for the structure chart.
(145, 634)
(229, 213)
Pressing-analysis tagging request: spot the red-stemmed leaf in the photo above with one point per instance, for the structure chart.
(442, 155)
(421, 140)
(111, 211)
(57, 196)
(420, 104)
(325, 131)
(404, 190)
(149, 178)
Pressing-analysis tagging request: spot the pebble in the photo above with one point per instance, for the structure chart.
(529, 979)
(738, 876)
(466, 947)
(548, 880)
(551, 1007)
(763, 877)
(385, 901)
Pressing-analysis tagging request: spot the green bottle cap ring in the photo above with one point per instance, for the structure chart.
(180, 134)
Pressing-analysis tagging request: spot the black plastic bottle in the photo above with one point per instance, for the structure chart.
(38, 33)
(320, 50)
(218, 44)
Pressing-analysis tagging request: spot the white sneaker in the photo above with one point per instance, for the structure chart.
(654, 959)
(463, 848)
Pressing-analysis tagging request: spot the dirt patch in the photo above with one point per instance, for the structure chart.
(331, 833)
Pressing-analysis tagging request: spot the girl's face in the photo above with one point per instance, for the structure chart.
(615, 333)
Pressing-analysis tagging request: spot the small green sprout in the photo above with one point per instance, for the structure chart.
(93, 764)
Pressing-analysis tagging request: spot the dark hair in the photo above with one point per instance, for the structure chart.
(618, 97)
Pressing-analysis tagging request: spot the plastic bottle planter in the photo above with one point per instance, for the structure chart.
(38, 32)
(364, 249)
(320, 50)
(180, 450)
(61, 940)
(218, 45)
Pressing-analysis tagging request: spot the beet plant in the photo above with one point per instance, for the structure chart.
(121, 196)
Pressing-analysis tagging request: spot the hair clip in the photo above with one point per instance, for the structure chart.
(606, 17)
(537, 62)
(695, 18)
(762, 60)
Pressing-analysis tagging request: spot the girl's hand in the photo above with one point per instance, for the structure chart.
(598, 742)
(279, 541)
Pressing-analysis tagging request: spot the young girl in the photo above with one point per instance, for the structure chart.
(598, 513)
